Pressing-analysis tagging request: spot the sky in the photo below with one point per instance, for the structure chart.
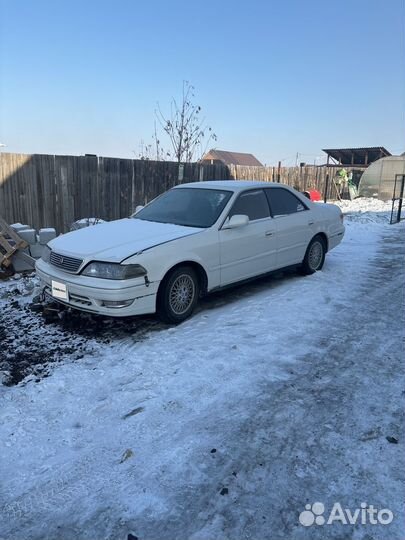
(273, 78)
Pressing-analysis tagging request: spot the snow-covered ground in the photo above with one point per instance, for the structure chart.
(275, 395)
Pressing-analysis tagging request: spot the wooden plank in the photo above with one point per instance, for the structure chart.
(3, 161)
(43, 191)
(49, 192)
(7, 234)
(65, 189)
(6, 230)
(124, 186)
(134, 187)
(102, 207)
(97, 194)
(4, 244)
(4, 261)
(85, 198)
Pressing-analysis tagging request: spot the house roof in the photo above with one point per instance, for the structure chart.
(357, 156)
(232, 158)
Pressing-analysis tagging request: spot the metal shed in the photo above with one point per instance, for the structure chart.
(355, 157)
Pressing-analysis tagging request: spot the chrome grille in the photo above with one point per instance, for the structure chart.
(69, 264)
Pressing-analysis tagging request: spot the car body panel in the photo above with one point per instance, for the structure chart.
(113, 241)
(202, 249)
(247, 251)
(293, 237)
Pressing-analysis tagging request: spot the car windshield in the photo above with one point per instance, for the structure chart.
(192, 207)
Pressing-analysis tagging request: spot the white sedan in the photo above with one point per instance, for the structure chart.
(193, 239)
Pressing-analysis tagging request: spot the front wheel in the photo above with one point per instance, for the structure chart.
(314, 256)
(178, 295)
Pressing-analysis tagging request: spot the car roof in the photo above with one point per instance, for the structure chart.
(232, 185)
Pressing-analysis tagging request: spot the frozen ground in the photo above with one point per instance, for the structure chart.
(275, 395)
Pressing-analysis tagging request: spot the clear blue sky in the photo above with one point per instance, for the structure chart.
(273, 77)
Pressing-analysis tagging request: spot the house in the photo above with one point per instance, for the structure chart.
(231, 158)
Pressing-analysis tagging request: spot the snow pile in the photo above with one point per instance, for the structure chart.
(366, 210)
(86, 222)
(17, 284)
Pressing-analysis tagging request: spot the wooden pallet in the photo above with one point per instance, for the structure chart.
(10, 243)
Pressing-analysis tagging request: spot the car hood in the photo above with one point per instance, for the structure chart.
(116, 240)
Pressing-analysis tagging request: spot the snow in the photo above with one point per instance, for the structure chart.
(142, 437)
(89, 221)
(366, 210)
(364, 204)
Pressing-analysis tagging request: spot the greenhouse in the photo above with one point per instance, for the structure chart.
(379, 178)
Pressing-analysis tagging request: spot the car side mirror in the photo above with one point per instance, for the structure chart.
(236, 221)
(138, 208)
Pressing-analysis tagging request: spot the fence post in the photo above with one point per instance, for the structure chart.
(401, 196)
(325, 195)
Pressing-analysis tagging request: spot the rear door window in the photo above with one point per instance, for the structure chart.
(283, 202)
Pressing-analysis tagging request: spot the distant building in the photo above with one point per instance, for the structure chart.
(231, 158)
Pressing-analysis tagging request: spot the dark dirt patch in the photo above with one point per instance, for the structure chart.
(31, 340)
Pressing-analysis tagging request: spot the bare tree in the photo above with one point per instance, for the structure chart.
(151, 151)
(185, 128)
(145, 151)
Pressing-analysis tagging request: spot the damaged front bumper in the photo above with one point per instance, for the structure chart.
(103, 296)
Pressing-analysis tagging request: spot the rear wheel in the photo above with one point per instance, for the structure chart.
(178, 295)
(314, 256)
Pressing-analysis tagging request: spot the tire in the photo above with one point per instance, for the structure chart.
(314, 256)
(178, 295)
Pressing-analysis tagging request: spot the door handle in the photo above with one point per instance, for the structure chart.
(311, 222)
(269, 233)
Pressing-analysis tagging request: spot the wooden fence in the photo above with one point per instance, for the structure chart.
(54, 191)
(302, 178)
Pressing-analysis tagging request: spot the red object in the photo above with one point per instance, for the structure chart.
(314, 195)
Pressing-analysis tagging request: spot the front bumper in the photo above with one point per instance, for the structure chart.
(88, 294)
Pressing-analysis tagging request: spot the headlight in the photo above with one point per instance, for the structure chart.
(114, 270)
(46, 254)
